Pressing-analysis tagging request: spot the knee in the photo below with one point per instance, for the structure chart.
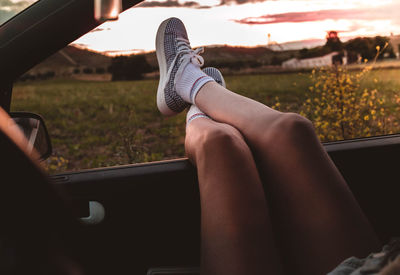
(287, 128)
(291, 123)
(221, 137)
(213, 139)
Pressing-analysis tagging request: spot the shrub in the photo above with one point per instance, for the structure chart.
(55, 164)
(87, 70)
(27, 77)
(129, 67)
(342, 107)
(100, 70)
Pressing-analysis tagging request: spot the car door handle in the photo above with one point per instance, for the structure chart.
(96, 214)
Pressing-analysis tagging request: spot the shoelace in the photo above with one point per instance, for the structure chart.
(188, 55)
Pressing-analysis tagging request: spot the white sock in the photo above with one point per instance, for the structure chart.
(192, 79)
(193, 113)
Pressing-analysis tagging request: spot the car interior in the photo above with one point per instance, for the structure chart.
(135, 218)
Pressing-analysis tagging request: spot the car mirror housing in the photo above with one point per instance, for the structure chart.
(105, 10)
(34, 129)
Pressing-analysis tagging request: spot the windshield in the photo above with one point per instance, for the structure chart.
(9, 8)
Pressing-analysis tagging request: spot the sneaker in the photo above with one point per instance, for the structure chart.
(216, 75)
(173, 54)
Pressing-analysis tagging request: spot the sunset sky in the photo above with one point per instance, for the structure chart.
(242, 22)
(247, 22)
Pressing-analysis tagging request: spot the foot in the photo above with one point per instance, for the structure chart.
(180, 73)
(216, 75)
(194, 112)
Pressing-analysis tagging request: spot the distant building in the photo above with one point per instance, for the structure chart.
(273, 45)
(321, 61)
(395, 41)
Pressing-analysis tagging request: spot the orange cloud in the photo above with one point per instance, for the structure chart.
(171, 4)
(308, 16)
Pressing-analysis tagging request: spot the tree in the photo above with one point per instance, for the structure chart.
(129, 67)
(333, 41)
(362, 46)
(384, 44)
(314, 52)
(366, 47)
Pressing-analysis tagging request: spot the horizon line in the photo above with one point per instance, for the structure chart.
(113, 53)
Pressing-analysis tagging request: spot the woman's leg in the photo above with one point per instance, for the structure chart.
(318, 218)
(314, 214)
(235, 225)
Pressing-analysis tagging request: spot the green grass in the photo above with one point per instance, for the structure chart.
(88, 122)
(96, 124)
(288, 87)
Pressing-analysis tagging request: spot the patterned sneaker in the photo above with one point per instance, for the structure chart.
(173, 54)
(216, 75)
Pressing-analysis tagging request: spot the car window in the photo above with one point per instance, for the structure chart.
(337, 64)
(9, 8)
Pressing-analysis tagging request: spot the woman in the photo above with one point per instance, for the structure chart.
(272, 201)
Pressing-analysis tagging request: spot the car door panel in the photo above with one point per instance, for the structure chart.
(152, 210)
(151, 216)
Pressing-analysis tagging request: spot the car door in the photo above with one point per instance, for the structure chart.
(142, 217)
(152, 213)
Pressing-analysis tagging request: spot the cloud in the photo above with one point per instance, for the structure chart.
(193, 4)
(5, 15)
(99, 29)
(385, 12)
(9, 5)
(171, 4)
(308, 16)
(239, 2)
(8, 8)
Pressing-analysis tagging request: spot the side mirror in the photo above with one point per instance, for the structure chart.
(105, 10)
(35, 131)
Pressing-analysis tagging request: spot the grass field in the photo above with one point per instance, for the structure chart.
(96, 124)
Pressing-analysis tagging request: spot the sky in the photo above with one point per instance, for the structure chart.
(239, 22)
(8, 8)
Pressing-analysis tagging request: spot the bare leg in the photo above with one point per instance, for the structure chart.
(235, 226)
(317, 218)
